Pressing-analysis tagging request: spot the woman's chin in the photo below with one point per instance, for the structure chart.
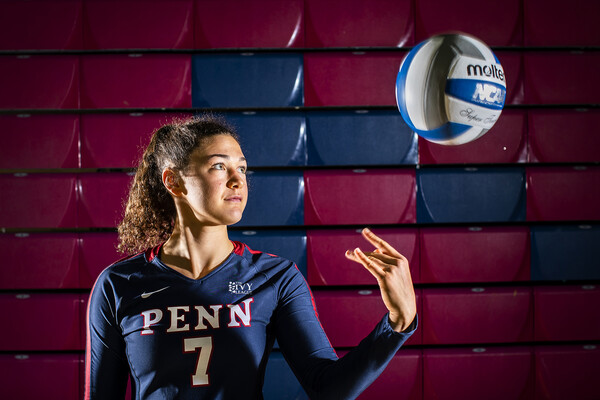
(234, 219)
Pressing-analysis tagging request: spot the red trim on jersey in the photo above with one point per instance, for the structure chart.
(153, 252)
(314, 305)
(238, 248)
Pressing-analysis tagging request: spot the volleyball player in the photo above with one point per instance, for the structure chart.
(193, 315)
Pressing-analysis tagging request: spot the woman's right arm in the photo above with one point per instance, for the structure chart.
(106, 368)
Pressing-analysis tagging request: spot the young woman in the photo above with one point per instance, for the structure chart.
(194, 315)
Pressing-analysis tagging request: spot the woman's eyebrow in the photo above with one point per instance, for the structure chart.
(225, 156)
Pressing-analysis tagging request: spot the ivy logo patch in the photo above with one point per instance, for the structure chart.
(240, 288)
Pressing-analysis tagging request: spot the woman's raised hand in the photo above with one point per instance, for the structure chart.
(392, 272)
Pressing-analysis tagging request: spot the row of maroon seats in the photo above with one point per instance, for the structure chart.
(56, 141)
(255, 79)
(470, 315)
(507, 372)
(447, 316)
(186, 24)
(406, 195)
(448, 255)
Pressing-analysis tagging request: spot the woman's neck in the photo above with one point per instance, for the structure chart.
(196, 252)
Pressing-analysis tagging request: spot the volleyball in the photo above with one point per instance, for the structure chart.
(450, 89)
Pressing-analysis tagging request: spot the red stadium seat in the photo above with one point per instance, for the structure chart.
(102, 199)
(135, 24)
(40, 25)
(57, 376)
(567, 372)
(379, 196)
(477, 315)
(474, 254)
(512, 63)
(98, 251)
(563, 193)
(38, 201)
(505, 143)
(83, 315)
(40, 322)
(478, 373)
(496, 26)
(327, 264)
(39, 261)
(39, 81)
(359, 23)
(118, 140)
(403, 377)
(579, 304)
(348, 316)
(359, 79)
(259, 23)
(577, 23)
(573, 77)
(136, 80)
(564, 135)
(39, 141)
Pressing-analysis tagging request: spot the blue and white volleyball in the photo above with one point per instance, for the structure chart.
(450, 89)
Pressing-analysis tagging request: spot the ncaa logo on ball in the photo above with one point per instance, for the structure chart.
(451, 89)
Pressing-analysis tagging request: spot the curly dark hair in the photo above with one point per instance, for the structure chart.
(150, 210)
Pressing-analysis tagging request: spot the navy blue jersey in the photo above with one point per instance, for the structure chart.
(210, 338)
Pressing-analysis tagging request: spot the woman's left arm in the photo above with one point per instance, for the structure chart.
(306, 347)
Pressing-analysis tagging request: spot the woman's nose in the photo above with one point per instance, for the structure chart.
(236, 181)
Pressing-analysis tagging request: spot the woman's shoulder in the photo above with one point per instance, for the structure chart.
(261, 260)
(125, 267)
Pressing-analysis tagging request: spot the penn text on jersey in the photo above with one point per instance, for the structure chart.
(180, 315)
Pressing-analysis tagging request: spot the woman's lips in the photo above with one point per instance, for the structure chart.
(234, 199)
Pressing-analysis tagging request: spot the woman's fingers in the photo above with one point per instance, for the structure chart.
(380, 244)
(369, 260)
(358, 255)
(392, 272)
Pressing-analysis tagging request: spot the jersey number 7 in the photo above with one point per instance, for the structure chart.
(204, 346)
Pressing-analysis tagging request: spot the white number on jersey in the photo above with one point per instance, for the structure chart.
(204, 344)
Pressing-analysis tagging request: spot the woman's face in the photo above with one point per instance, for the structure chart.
(214, 182)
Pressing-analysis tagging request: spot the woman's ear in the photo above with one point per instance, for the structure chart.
(172, 182)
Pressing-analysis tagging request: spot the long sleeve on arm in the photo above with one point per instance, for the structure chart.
(311, 356)
(106, 368)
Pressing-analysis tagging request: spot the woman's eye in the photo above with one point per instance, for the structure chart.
(242, 170)
(219, 166)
